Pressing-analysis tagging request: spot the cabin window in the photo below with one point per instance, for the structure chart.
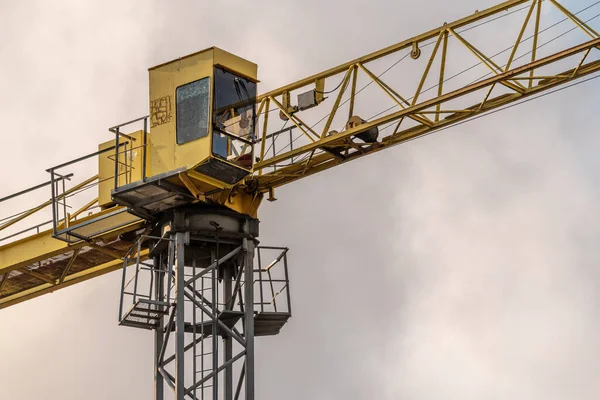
(234, 118)
(192, 110)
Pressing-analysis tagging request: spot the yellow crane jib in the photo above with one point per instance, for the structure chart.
(210, 141)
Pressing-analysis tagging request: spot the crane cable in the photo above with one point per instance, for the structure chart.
(396, 63)
(381, 74)
(483, 76)
(502, 108)
(462, 72)
(425, 45)
(476, 117)
(505, 50)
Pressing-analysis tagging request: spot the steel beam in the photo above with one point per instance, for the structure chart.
(42, 246)
(220, 335)
(179, 316)
(227, 341)
(248, 248)
(502, 77)
(69, 280)
(158, 333)
(396, 47)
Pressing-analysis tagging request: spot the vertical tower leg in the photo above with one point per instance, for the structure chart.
(228, 341)
(248, 248)
(201, 304)
(215, 329)
(180, 316)
(158, 332)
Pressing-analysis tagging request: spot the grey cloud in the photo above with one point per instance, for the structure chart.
(459, 266)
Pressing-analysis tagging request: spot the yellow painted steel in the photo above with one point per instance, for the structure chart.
(397, 47)
(42, 246)
(67, 281)
(306, 159)
(319, 148)
(130, 165)
(45, 204)
(164, 152)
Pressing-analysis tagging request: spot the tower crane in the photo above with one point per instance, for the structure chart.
(172, 199)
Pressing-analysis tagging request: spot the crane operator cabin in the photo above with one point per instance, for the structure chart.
(201, 137)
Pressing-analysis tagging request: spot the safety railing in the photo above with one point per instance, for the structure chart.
(141, 303)
(128, 149)
(72, 199)
(34, 218)
(146, 294)
(69, 204)
(274, 143)
(272, 279)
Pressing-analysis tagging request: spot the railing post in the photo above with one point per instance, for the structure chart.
(287, 281)
(116, 158)
(64, 191)
(145, 149)
(260, 281)
(137, 269)
(53, 189)
(123, 278)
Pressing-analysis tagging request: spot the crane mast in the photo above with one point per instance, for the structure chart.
(175, 194)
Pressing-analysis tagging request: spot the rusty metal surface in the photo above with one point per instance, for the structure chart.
(51, 270)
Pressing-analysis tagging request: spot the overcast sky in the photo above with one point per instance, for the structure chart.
(459, 266)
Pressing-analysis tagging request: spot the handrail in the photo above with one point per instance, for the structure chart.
(31, 189)
(116, 130)
(38, 226)
(113, 128)
(47, 203)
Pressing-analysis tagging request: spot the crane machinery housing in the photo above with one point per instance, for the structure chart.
(174, 196)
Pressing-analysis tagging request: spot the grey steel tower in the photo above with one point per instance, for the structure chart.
(206, 300)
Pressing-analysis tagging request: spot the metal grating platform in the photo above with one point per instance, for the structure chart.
(145, 314)
(229, 319)
(152, 196)
(269, 323)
